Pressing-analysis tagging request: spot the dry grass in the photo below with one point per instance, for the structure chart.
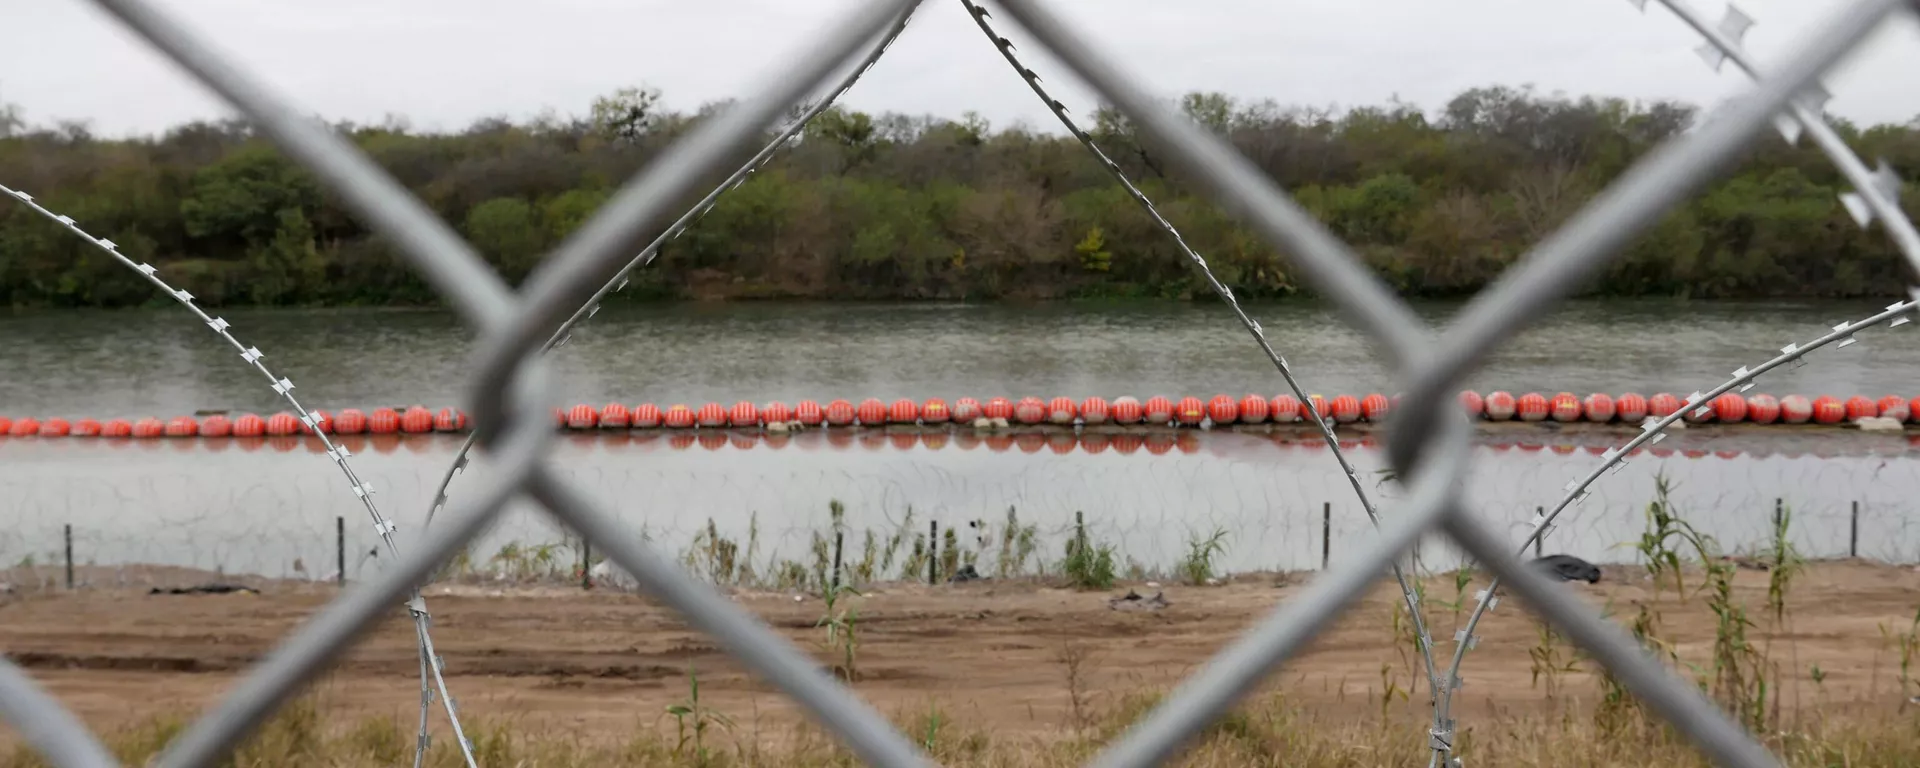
(1270, 731)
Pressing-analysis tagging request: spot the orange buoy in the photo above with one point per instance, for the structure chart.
(809, 413)
(839, 413)
(383, 421)
(1157, 410)
(1730, 408)
(998, 408)
(6, 426)
(743, 414)
(1223, 409)
(1532, 406)
(1375, 407)
(1631, 408)
(26, 426)
(935, 411)
(284, 423)
(1501, 405)
(1345, 409)
(711, 415)
(449, 420)
(1860, 407)
(251, 425)
(1698, 414)
(1565, 407)
(418, 420)
(1126, 410)
(776, 412)
(350, 422)
(647, 416)
(1062, 410)
(1599, 408)
(1662, 405)
(55, 427)
(86, 428)
(615, 416)
(904, 411)
(1285, 409)
(1319, 406)
(182, 426)
(1896, 411)
(1828, 410)
(678, 416)
(148, 427)
(322, 421)
(116, 428)
(216, 426)
(871, 412)
(1094, 410)
(1473, 403)
(1796, 409)
(1029, 410)
(1253, 409)
(1763, 409)
(966, 409)
(582, 417)
(1189, 411)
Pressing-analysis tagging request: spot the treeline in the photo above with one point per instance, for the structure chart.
(893, 206)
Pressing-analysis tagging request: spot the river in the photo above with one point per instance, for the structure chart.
(257, 509)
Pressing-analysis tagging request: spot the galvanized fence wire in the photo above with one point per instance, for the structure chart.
(283, 386)
(512, 402)
(693, 215)
(1322, 421)
(1875, 195)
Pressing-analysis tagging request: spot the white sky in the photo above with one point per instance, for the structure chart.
(444, 63)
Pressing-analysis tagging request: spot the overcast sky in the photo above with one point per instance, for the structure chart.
(444, 63)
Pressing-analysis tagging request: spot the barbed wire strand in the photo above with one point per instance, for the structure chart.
(1321, 421)
(673, 232)
(283, 387)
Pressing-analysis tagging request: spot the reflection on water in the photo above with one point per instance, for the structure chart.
(258, 505)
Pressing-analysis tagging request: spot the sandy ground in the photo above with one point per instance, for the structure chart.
(993, 653)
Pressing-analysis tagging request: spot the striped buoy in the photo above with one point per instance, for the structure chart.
(1094, 410)
(1565, 407)
(614, 416)
(1029, 410)
(678, 416)
(998, 408)
(1223, 409)
(710, 415)
(383, 421)
(1662, 405)
(6, 425)
(1345, 408)
(582, 417)
(1631, 408)
(148, 427)
(351, 421)
(743, 414)
(1697, 414)
(966, 409)
(283, 423)
(1473, 404)
(1762, 409)
(25, 426)
(86, 428)
(1860, 407)
(1285, 409)
(903, 411)
(934, 411)
(1828, 410)
(1532, 406)
(1127, 410)
(839, 413)
(251, 425)
(450, 420)
(184, 426)
(1189, 411)
(1319, 406)
(117, 428)
(1796, 409)
(1375, 407)
(647, 416)
(1599, 408)
(776, 412)
(322, 421)
(1501, 405)
(809, 413)
(55, 427)
(1729, 408)
(216, 426)
(871, 412)
(1062, 410)
(1157, 410)
(1254, 409)
(418, 420)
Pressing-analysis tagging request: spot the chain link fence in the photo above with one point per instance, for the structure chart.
(1428, 447)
